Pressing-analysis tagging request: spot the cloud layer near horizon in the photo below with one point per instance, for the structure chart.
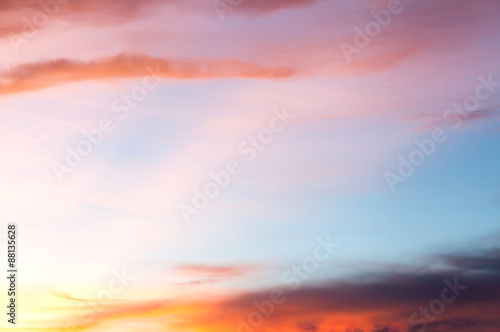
(381, 301)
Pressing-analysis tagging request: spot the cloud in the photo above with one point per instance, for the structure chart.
(20, 14)
(46, 74)
(15, 14)
(379, 302)
(264, 6)
(488, 261)
(452, 119)
(201, 274)
(214, 271)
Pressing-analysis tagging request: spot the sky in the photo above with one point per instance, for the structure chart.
(251, 165)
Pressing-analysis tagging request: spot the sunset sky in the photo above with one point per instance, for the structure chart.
(350, 149)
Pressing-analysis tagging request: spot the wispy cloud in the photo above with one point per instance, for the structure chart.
(201, 270)
(380, 301)
(63, 71)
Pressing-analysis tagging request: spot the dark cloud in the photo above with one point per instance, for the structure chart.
(389, 299)
(382, 302)
(489, 261)
(455, 119)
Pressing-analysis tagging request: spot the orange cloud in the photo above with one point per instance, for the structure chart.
(42, 75)
(98, 12)
(259, 6)
(380, 302)
(208, 274)
(214, 271)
